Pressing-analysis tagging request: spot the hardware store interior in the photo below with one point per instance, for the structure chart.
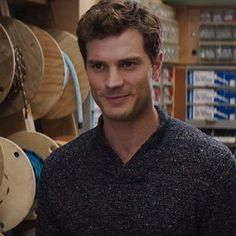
(40, 110)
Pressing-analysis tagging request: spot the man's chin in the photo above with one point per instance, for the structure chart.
(118, 116)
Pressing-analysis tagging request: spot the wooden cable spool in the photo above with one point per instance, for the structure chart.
(17, 190)
(67, 103)
(21, 35)
(40, 144)
(52, 85)
(7, 63)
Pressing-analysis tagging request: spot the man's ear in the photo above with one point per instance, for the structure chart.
(157, 65)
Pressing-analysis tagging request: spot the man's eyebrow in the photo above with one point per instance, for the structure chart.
(138, 59)
(95, 61)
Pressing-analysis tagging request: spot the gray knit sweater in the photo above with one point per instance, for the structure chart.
(180, 182)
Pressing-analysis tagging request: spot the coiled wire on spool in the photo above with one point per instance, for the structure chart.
(70, 70)
(19, 78)
(37, 164)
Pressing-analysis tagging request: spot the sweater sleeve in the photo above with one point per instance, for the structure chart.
(46, 224)
(219, 214)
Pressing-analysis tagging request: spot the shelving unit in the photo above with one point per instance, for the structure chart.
(170, 27)
(169, 90)
(163, 89)
(211, 101)
(217, 35)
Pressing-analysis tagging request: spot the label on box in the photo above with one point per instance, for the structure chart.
(211, 96)
(203, 78)
(203, 112)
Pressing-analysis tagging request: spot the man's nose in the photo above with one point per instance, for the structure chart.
(114, 78)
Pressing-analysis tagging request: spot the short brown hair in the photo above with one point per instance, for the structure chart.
(113, 17)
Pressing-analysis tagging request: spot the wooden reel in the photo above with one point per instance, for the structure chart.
(17, 190)
(52, 85)
(21, 35)
(40, 144)
(67, 103)
(7, 63)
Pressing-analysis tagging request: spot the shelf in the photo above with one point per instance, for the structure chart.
(213, 124)
(221, 87)
(168, 102)
(164, 42)
(219, 23)
(207, 68)
(218, 62)
(156, 85)
(211, 104)
(167, 84)
(156, 103)
(169, 20)
(218, 43)
(164, 89)
(229, 141)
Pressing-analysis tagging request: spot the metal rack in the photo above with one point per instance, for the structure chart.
(222, 127)
(164, 89)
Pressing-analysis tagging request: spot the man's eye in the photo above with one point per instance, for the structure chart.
(128, 64)
(98, 66)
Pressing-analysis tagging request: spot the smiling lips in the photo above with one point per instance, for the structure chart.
(116, 99)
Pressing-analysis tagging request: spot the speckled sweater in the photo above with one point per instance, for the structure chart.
(180, 182)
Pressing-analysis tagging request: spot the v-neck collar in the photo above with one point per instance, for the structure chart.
(137, 166)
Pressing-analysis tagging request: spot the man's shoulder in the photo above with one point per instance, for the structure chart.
(190, 140)
(198, 154)
(186, 132)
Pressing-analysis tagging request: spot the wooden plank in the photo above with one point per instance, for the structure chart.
(16, 122)
(29, 121)
(183, 33)
(4, 8)
(188, 19)
(65, 127)
(66, 14)
(179, 92)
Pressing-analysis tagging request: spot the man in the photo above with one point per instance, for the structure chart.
(139, 172)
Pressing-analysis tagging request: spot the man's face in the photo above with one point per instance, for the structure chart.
(120, 75)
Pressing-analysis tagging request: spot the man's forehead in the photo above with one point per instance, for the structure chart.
(128, 44)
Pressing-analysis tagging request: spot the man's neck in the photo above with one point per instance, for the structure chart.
(126, 138)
